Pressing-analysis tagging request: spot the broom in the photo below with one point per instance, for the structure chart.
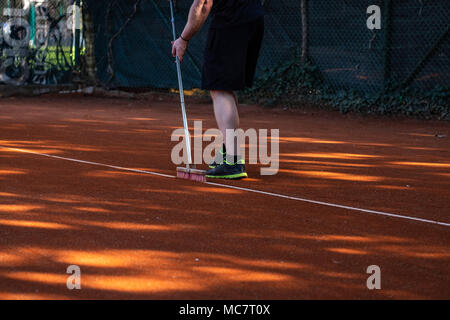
(189, 172)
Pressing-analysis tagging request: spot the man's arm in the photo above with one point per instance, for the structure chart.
(198, 14)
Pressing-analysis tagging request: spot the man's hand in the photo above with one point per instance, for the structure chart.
(179, 48)
(198, 13)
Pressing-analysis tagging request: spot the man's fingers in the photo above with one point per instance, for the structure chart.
(179, 58)
(174, 49)
(178, 50)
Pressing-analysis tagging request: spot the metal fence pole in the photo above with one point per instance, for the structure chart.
(387, 45)
(77, 32)
(32, 23)
(305, 30)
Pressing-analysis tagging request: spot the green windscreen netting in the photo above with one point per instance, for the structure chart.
(132, 42)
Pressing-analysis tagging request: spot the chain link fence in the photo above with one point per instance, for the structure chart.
(348, 54)
(410, 47)
(419, 43)
(132, 44)
(126, 43)
(41, 41)
(132, 40)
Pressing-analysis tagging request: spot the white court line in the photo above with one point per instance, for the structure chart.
(89, 162)
(380, 213)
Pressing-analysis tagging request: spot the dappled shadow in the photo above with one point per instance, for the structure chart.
(139, 236)
(136, 237)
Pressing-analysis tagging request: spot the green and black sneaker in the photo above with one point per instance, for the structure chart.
(228, 170)
(219, 159)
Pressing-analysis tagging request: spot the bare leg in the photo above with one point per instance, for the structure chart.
(227, 117)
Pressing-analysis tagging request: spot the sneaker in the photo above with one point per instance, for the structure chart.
(219, 159)
(228, 171)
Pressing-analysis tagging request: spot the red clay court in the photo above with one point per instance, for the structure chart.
(88, 181)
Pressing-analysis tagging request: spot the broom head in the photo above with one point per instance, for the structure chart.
(191, 174)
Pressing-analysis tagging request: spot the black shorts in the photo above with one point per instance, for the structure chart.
(231, 56)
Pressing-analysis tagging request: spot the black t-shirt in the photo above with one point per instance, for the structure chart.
(226, 13)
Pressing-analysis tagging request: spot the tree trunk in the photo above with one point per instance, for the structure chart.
(89, 37)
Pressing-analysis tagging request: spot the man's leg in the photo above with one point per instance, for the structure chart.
(227, 117)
